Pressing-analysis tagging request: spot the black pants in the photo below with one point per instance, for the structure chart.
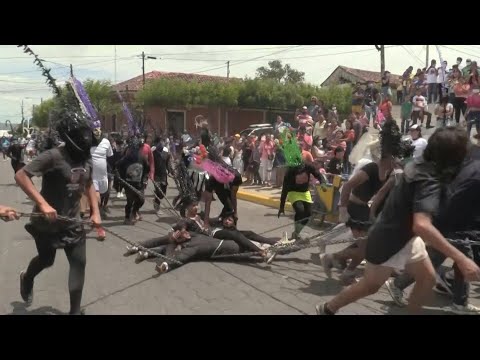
(242, 238)
(17, 165)
(303, 212)
(225, 197)
(461, 288)
(404, 125)
(117, 185)
(105, 197)
(202, 251)
(160, 186)
(158, 244)
(76, 255)
(134, 201)
(432, 93)
(459, 106)
(399, 97)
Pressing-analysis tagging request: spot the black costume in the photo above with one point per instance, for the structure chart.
(296, 186)
(134, 169)
(163, 166)
(15, 152)
(66, 173)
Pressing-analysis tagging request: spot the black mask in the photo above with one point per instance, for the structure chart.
(78, 142)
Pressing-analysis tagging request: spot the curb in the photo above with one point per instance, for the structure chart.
(256, 198)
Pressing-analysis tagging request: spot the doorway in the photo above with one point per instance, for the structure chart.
(175, 122)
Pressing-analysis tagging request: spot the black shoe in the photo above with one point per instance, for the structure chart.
(429, 127)
(26, 291)
(82, 312)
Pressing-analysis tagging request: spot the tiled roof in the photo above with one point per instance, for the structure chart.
(367, 75)
(136, 83)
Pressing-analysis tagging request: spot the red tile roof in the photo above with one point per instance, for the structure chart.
(136, 83)
(366, 75)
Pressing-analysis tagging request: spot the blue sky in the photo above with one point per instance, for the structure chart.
(21, 80)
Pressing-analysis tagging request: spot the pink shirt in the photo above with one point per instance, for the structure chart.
(473, 101)
(266, 149)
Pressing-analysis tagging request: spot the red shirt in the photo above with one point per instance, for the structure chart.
(146, 151)
(473, 101)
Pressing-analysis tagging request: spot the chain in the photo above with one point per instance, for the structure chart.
(59, 217)
(136, 191)
(155, 185)
(294, 247)
(140, 247)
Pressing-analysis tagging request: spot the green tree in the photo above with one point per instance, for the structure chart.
(280, 73)
(41, 113)
(101, 96)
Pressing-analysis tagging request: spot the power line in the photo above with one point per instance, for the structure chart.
(463, 52)
(247, 60)
(412, 55)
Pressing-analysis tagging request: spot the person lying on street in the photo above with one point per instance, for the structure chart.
(190, 247)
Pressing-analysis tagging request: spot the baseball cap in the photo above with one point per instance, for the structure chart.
(237, 135)
(304, 108)
(415, 127)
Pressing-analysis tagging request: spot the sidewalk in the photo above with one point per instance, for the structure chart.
(262, 195)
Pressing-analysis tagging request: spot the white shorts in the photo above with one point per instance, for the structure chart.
(101, 186)
(413, 252)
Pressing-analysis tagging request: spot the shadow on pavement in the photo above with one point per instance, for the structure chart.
(101, 298)
(323, 287)
(391, 309)
(19, 308)
(8, 185)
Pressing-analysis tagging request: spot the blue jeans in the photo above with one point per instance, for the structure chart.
(473, 118)
(371, 112)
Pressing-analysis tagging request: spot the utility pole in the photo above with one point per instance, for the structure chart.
(143, 67)
(143, 64)
(381, 48)
(428, 54)
(71, 70)
(23, 119)
(228, 69)
(115, 60)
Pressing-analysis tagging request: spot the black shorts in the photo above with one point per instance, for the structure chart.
(57, 240)
(359, 216)
(237, 181)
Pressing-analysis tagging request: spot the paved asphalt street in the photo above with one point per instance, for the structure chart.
(293, 284)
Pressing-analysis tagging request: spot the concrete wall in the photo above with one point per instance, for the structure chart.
(224, 122)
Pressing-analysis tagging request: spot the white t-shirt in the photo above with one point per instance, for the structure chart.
(431, 75)
(448, 108)
(420, 145)
(31, 145)
(418, 102)
(227, 160)
(99, 159)
(442, 76)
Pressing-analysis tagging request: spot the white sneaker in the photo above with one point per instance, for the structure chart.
(396, 293)
(119, 195)
(468, 309)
